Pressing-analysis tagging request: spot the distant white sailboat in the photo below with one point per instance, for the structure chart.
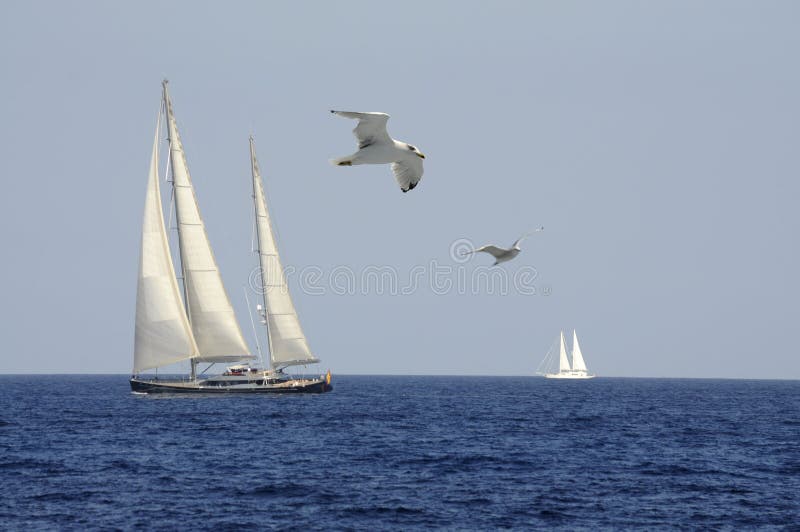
(578, 368)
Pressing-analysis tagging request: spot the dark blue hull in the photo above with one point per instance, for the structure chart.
(296, 386)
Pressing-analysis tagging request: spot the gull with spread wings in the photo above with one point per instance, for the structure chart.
(375, 146)
(502, 254)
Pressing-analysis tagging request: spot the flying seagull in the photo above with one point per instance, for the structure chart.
(502, 254)
(375, 146)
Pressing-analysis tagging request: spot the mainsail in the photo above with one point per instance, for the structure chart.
(578, 363)
(287, 343)
(216, 330)
(163, 335)
(563, 363)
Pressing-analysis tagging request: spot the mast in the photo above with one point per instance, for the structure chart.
(264, 315)
(163, 335)
(172, 153)
(287, 342)
(563, 362)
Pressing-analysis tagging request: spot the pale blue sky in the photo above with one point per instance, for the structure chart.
(657, 142)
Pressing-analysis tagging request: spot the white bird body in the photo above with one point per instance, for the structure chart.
(380, 153)
(504, 254)
(375, 146)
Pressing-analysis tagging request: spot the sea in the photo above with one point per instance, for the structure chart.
(402, 453)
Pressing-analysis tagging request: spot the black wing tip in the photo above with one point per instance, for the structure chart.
(333, 111)
(412, 186)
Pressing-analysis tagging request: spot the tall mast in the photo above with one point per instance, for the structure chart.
(162, 334)
(256, 175)
(287, 343)
(563, 363)
(172, 152)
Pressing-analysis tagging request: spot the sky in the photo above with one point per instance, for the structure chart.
(656, 142)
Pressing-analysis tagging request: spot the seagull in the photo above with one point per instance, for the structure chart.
(502, 254)
(375, 146)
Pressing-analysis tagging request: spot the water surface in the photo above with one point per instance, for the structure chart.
(402, 452)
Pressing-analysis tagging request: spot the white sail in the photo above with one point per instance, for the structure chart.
(216, 330)
(578, 363)
(563, 363)
(163, 335)
(287, 343)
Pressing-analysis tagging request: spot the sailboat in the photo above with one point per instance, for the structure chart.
(198, 323)
(578, 368)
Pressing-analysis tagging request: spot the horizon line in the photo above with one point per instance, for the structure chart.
(2, 374)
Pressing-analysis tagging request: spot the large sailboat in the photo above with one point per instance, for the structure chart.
(578, 368)
(199, 324)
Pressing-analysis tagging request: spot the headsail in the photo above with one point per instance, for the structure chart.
(216, 330)
(578, 363)
(563, 363)
(287, 343)
(163, 335)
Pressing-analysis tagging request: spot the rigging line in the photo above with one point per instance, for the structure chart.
(171, 205)
(168, 179)
(253, 248)
(555, 354)
(546, 363)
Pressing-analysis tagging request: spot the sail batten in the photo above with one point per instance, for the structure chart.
(287, 342)
(163, 335)
(210, 313)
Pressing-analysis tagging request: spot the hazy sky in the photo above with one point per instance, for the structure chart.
(657, 142)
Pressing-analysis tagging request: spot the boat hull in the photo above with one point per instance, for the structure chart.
(567, 376)
(290, 386)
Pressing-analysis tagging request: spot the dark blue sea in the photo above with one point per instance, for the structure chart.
(82, 452)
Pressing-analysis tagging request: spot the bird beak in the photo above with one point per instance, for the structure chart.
(420, 154)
